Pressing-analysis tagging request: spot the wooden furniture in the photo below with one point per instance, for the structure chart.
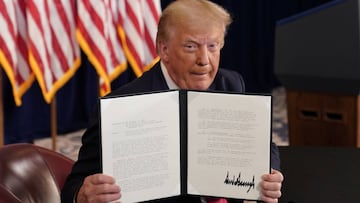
(317, 60)
(323, 119)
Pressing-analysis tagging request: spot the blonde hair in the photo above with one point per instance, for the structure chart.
(186, 12)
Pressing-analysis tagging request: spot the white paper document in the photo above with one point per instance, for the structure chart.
(179, 142)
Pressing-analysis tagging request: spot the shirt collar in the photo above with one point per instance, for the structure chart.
(170, 83)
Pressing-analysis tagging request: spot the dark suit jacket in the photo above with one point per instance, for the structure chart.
(89, 160)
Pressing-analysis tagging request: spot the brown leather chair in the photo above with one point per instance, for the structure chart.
(32, 174)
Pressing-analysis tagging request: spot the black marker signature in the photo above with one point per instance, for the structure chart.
(240, 183)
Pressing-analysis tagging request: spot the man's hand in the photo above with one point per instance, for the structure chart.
(271, 186)
(98, 188)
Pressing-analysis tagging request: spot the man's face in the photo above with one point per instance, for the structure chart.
(192, 54)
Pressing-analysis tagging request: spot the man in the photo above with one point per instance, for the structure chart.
(189, 39)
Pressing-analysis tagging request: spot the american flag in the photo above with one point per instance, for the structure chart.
(39, 40)
(98, 37)
(140, 24)
(13, 47)
(115, 32)
(54, 54)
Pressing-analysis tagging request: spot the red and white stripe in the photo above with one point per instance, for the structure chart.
(98, 37)
(140, 25)
(53, 51)
(13, 47)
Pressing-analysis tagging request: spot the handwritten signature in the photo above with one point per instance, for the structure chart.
(240, 183)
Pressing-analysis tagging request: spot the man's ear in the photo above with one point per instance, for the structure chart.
(163, 51)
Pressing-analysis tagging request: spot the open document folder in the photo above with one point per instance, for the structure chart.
(182, 142)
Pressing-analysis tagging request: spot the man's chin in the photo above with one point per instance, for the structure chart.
(200, 86)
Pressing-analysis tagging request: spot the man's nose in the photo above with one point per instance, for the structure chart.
(202, 56)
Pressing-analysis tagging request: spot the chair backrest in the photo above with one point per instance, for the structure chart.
(29, 174)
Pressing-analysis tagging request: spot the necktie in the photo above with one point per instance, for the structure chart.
(216, 200)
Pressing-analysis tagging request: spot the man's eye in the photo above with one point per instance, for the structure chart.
(190, 47)
(213, 47)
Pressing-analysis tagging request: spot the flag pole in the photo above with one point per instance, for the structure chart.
(53, 122)
(1, 111)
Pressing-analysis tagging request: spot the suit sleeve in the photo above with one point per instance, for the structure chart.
(275, 157)
(88, 162)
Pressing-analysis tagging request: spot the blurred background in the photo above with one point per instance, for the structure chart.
(249, 49)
